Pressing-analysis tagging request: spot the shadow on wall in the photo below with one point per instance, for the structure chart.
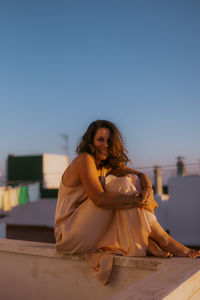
(30, 233)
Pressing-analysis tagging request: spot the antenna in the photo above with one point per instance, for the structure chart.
(66, 139)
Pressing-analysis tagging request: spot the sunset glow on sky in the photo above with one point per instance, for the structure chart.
(67, 63)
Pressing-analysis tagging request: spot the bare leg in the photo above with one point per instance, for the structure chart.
(167, 243)
(156, 251)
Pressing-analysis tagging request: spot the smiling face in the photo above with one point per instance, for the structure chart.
(104, 142)
(101, 143)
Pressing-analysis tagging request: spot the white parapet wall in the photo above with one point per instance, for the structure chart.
(32, 270)
(39, 213)
(184, 208)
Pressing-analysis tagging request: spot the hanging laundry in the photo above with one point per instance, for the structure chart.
(23, 195)
(34, 191)
(14, 196)
(6, 205)
(1, 193)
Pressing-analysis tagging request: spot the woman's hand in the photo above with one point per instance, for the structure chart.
(147, 200)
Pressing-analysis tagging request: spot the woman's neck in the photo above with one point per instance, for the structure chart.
(99, 164)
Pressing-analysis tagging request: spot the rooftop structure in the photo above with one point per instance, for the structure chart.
(36, 271)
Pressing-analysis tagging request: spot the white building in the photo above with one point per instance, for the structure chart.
(184, 209)
(179, 212)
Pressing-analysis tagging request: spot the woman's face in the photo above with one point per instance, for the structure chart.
(101, 143)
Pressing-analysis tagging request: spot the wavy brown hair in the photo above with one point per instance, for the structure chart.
(117, 153)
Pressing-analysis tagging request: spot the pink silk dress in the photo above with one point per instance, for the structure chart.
(96, 233)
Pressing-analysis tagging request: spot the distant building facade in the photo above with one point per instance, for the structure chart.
(46, 168)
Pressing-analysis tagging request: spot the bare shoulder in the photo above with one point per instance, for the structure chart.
(131, 171)
(123, 171)
(84, 158)
(86, 164)
(81, 164)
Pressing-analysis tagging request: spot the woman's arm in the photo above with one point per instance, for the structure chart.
(144, 179)
(147, 199)
(89, 178)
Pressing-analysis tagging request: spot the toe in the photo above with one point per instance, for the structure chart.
(194, 253)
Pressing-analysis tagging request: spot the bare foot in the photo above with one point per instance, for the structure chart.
(192, 253)
(156, 251)
(179, 250)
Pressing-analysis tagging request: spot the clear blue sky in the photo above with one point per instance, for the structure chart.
(66, 63)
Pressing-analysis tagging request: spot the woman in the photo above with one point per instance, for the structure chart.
(97, 223)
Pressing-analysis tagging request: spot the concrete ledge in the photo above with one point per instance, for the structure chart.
(31, 270)
(48, 250)
(179, 279)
